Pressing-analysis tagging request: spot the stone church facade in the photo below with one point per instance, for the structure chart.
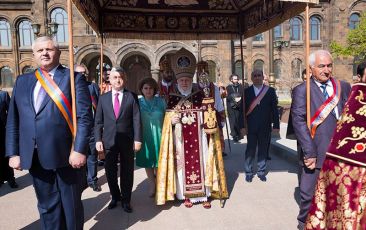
(330, 20)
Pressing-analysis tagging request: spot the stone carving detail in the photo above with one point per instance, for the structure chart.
(90, 9)
(220, 4)
(125, 21)
(215, 23)
(123, 3)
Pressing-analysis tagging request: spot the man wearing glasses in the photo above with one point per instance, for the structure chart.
(328, 96)
(92, 158)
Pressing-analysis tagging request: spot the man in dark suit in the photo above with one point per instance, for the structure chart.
(233, 105)
(92, 159)
(118, 133)
(39, 136)
(6, 172)
(327, 99)
(261, 111)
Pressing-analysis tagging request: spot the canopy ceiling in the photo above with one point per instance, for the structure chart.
(186, 19)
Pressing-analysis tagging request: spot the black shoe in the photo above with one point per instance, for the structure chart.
(262, 178)
(100, 163)
(127, 207)
(224, 154)
(235, 139)
(248, 178)
(112, 204)
(13, 184)
(95, 187)
(268, 158)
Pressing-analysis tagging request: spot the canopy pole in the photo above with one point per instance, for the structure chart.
(71, 65)
(307, 53)
(101, 65)
(242, 60)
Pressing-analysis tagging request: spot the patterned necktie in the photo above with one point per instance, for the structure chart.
(116, 105)
(326, 95)
(40, 96)
(324, 90)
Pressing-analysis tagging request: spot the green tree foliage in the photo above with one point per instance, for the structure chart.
(356, 42)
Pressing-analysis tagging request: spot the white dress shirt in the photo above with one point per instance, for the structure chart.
(257, 90)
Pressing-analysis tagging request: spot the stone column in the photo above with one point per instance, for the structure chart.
(155, 74)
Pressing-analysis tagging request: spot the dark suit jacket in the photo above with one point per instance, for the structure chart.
(94, 92)
(318, 146)
(4, 105)
(264, 114)
(128, 123)
(47, 128)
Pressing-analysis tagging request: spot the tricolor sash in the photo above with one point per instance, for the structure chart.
(326, 108)
(94, 102)
(56, 95)
(257, 99)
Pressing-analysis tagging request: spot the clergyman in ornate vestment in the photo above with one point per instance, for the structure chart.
(340, 196)
(190, 161)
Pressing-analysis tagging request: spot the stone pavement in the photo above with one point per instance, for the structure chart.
(252, 206)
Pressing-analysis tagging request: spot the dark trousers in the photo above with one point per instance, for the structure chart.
(255, 140)
(6, 172)
(123, 149)
(234, 116)
(308, 182)
(92, 163)
(59, 196)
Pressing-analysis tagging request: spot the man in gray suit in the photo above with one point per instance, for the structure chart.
(328, 96)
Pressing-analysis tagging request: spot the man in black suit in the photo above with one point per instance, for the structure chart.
(118, 133)
(233, 104)
(6, 172)
(261, 111)
(92, 159)
(328, 96)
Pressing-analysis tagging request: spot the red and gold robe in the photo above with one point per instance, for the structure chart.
(189, 166)
(340, 197)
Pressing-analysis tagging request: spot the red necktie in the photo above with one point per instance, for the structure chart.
(116, 105)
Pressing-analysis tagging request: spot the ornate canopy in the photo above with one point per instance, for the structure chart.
(186, 19)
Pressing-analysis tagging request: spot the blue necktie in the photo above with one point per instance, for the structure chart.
(324, 88)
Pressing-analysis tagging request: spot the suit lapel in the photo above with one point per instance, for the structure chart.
(123, 103)
(109, 105)
(31, 96)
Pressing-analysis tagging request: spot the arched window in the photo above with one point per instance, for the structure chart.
(278, 32)
(211, 71)
(5, 37)
(296, 68)
(6, 79)
(27, 69)
(295, 29)
(314, 28)
(354, 20)
(59, 16)
(26, 36)
(277, 68)
(238, 68)
(258, 37)
(258, 64)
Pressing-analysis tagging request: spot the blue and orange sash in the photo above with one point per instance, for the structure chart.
(258, 99)
(326, 108)
(57, 96)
